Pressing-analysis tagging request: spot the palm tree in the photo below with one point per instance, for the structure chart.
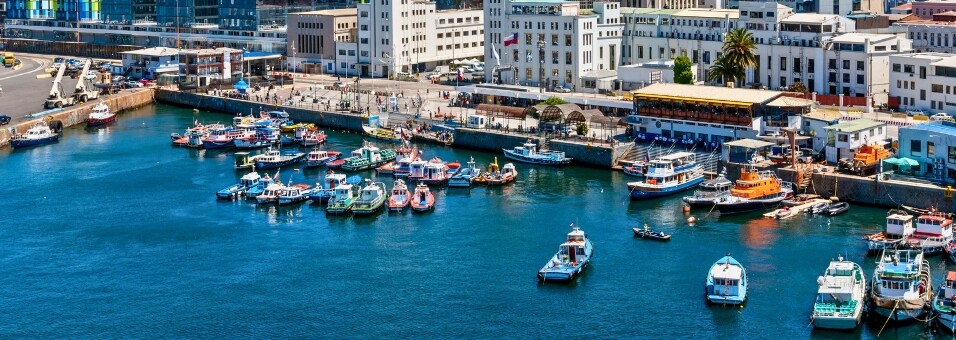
(740, 52)
(719, 71)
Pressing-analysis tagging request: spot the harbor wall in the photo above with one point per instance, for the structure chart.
(74, 115)
(886, 193)
(582, 153)
(334, 120)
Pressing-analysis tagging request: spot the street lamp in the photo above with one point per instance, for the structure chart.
(541, 62)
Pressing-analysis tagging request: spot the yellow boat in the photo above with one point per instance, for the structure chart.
(386, 134)
(292, 127)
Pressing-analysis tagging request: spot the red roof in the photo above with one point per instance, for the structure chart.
(951, 276)
(907, 5)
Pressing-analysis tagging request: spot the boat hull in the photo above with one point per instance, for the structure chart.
(562, 275)
(639, 194)
(510, 154)
(96, 122)
(262, 165)
(25, 143)
(699, 202)
(837, 322)
(900, 314)
(946, 320)
(726, 300)
(211, 145)
(293, 199)
(363, 210)
(459, 182)
(740, 207)
(230, 193)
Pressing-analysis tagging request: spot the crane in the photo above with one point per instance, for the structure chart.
(56, 99)
(84, 86)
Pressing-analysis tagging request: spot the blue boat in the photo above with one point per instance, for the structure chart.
(220, 137)
(324, 191)
(259, 188)
(726, 282)
(529, 153)
(274, 159)
(668, 175)
(37, 135)
(573, 256)
(248, 181)
(465, 176)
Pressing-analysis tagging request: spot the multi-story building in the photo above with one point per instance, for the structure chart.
(819, 50)
(933, 146)
(250, 15)
(149, 63)
(312, 38)
(552, 43)
(77, 10)
(127, 11)
(924, 81)
(212, 63)
(411, 36)
(187, 13)
(935, 34)
(30, 9)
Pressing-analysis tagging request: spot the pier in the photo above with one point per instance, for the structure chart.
(70, 116)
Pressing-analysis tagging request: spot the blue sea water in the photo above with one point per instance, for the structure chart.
(114, 233)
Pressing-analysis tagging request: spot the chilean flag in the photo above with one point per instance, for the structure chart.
(513, 39)
(460, 76)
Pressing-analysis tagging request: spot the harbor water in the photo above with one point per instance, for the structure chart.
(113, 232)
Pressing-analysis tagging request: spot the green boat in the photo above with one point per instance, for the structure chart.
(343, 198)
(371, 200)
(368, 157)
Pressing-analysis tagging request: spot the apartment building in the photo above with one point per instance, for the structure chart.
(924, 81)
(551, 43)
(312, 38)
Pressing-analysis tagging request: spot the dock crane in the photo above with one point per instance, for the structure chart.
(84, 86)
(56, 98)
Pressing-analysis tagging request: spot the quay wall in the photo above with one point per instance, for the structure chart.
(74, 115)
(868, 190)
(335, 120)
(493, 141)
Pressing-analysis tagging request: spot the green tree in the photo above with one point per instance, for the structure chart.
(682, 70)
(798, 87)
(582, 129)
(554, 101)
(720, 71)
(740, 53)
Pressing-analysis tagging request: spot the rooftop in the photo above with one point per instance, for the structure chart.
(924, 55)
(855, 125)
(861, 37)
(949, 61)
(709, 13)
(749, 143)
(154, 51)
(633, 10)
(668, 64)
(710, 93)
(903, 7)
(330, 12)
(212, 50)
(946, 128)
(599, 74)
(824, 115)
(808, 18)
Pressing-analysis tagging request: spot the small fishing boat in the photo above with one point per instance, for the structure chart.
(899, 227)
(783, 213)
(371, 199)
(245, 160)
(274, 159)
(636, 169)
(529, 153)
(259, 188)
(755, 190)
(495, 177)
(800, 199)
(398, 135)
(324, 191)
(708, 191)
(271, 194)
(901, 287)
(572, 257)
(400, 166)
(39, 134)
(865, 160)
(220, 137)
(423, 199)
(260, 137)
(289, 126)
(100, 115)
(649, 234)
(294, 194)
(435, 172)
(318, 157)
(400, 197)
(841, 294)
(465, 176)
(313, 138)
(343, 197)
(944, 305)
(247, 181)
(933, 232)
(726, 282)
(668, 175)
(367, 157)
(837, 208)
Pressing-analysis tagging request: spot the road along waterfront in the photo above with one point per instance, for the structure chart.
(114, 232)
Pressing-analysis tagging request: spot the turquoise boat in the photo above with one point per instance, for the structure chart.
(248, 181)
(368, 157)
(343, 198)
(572, 257)
(727, 282)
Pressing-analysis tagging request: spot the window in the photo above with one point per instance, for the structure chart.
(832, 64)
(922, 72)
(908, 68)
(897, 68)
(916, 146)
(365, 27)
(922, 94)
(952, 154)
(783, 64)
(859, 66)
(859, 79)
(930, 149)
(936, 88)
(846, 77)
(846, 64)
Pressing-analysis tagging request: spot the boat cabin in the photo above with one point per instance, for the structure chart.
(334, 180)
(342, 193)
(727, 279)
(369, 193)
(435, 170)
(368, 152)
(670, 168)
(835, 292)
(899, 225)
(509, 169)
(273, 190)
(250, 180)
(416, 169)
(898, 271)
(574, 249)
(526, 149)
(948, 298)
(934, 225)
(756, 184)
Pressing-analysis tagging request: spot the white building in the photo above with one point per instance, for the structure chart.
(924, 81)
(845, 138)
(557, 42)
(412, 36)
(639, 75)
(149, 63)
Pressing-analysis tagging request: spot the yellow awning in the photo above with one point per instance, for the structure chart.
(742, 105)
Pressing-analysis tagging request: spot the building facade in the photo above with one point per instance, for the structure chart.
(212, 63)
(924, 81)
(845, 138)
(933, 145)
(551, 43)
(313, 36)
(126, 12)
(187, 13)
(149, 63)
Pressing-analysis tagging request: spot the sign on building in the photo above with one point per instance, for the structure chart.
(655, 77)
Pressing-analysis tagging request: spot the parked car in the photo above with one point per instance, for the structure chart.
(133, 84)
(58, 60)
(561, 89)
(811, 155)
(147, 82)
(941, 116)
(337, 84)
(4, 119)
(268, 78)
(916, 112)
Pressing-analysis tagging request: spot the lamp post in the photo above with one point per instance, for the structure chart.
(541, 68)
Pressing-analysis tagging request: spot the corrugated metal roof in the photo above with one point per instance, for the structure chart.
(710, 93)
(946, 128)
(854, 125)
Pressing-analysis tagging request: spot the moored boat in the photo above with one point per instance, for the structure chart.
(435, 172)
(422, 199)
(400, 167)
(400, 197)
(371, 199)
(572, 257)
(636, 169)
(313, 138)
(318, 157)
(367, 157)
(783, 213)
(465, 175)
(933, 232)
(865, 160)
(324, 191)
(100, 115)
(901, 285)
(944, 305)
(39, 134)
(708, 191)
(649, 234)
(899, 227)
(668, 175)
(398, 135)
(247, 181)
(726, 282)
(294, 194)
(841, 295)
(260, 187)
(275, 159)
(755, 190)
(529, 153)
(271, 193)
(837, 208)
(343, 197)
(220, 137)
(495, 176)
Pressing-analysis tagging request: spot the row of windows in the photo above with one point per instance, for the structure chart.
(461, 33)
(467, 20)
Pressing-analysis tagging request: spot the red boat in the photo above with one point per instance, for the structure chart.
(423, 199)
(335, 164)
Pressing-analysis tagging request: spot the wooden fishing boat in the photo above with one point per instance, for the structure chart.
(650, 234)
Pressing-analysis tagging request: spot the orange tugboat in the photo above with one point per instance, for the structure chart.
(755, 190)
(865, 160)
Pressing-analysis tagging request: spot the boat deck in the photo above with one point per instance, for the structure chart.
(798, 209)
